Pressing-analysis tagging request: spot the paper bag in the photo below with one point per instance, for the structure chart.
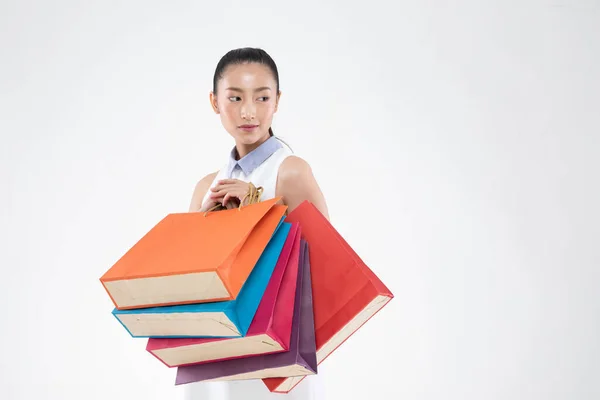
(191, 258)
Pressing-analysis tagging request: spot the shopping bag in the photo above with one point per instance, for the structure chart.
(269, 331)
(346, 292)
(215, 319)
(299, 360)
(191, 258)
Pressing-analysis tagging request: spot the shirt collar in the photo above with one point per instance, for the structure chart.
(256, 157)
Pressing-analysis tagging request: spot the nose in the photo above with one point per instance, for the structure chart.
(248, 111)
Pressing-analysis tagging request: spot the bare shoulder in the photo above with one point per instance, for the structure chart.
(204, 183)
(294, 167)
(200, 190)
(296, 183)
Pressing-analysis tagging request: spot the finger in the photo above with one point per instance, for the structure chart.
(210, 203)
(221, 187)
(212, 199)
(228, 181)
(221, 190)
(235, 190)
(234, 195)
(232, 204)
(220, 193)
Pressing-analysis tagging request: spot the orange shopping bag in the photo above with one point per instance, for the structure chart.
(193, 257)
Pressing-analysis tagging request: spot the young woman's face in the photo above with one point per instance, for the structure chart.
(246, 100)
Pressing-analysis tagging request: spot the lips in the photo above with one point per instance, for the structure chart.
(248, 128)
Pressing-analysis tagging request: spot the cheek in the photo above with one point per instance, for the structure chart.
(267, 110)
(229, 111)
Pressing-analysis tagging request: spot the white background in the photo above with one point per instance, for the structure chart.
(457, 146)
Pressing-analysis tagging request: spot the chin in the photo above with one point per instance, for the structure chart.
(250, 138)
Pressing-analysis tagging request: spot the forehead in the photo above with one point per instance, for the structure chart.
(247, 76)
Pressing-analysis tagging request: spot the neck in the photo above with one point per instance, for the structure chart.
(243, 149)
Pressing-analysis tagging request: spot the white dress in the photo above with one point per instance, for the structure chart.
(311, 387)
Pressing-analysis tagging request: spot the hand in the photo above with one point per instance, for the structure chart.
(230, 189)
(210, 203)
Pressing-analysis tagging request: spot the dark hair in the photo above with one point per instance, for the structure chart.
(242, 56)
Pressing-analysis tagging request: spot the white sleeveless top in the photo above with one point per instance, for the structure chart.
(260, 167)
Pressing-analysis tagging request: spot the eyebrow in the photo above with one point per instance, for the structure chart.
(234, 89)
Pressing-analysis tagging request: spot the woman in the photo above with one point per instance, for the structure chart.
(246, 96)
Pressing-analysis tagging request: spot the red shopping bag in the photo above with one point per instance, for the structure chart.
(346, 292)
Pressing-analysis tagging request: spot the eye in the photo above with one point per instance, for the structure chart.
(265, 98)
(234, 98)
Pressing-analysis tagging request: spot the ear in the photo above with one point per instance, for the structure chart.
(213, 103)
(277, 101)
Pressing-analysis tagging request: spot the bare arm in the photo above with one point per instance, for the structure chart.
(296, 183)
(200, 190)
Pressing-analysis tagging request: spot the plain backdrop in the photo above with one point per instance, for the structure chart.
(457, 144)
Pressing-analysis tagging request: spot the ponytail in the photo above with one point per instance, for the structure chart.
(281, 140)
